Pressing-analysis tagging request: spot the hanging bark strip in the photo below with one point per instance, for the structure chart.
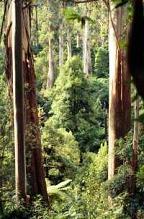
(35, 169)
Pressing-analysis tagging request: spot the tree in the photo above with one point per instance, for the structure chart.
(87, 66)
(119, 86)
(51, 71)
(74, 107)
(61, 44)
(135, 155)
(35, 169)
(69, 43)
(18, 101)
(72, 15)
(53, 25)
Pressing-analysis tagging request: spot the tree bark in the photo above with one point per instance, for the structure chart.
(18, 101)
(61, 45)
(132, 185)
(78, 40)
(35, 169)
(87, 66)
(53, 26)
(51, 71)
(69, 44)
(119, 87)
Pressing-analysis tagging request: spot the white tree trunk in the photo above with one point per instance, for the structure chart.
(78, 40)
(87, 66)
(136, 134)
(51, 73)
(61, 45)
(69, 44)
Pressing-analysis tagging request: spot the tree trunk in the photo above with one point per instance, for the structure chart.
(78, 40)
(51, 73)
(119, 87)
(87, 66)
(69, 44)
(53, 26)
(135, 135)
(35, 169)
(132, 189)
(61, 45)
(18, 101)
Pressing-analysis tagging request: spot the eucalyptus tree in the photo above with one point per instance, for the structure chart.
(18, 100)
(34, 165)
(119, 85)
(87, 65)
(53, 14)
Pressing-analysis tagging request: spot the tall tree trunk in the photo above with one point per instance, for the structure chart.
(87, 66)
(52, 7)
(135, 135)
(61, 45)
(69, 44)
(132, 189)
(35, 169)
(36, 23)
(51, 73)
(18, 101)
(119, 87)
(78, 40)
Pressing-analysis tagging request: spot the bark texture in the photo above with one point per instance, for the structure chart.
(69, 44)
(119, 87)
(18, 101)
(51, 71)
(61, 45)
(87, 65)
(34, 162)
(132, 184)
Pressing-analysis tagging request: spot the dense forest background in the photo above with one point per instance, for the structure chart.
(82, 113)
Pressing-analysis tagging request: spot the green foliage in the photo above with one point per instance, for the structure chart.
(89, 184)
(124, 148)
(119, 181)
(1, 60)
(101, 62)
(73, 117)
(61, 153)
(6, 141)
(71, 14)
(73, 107)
